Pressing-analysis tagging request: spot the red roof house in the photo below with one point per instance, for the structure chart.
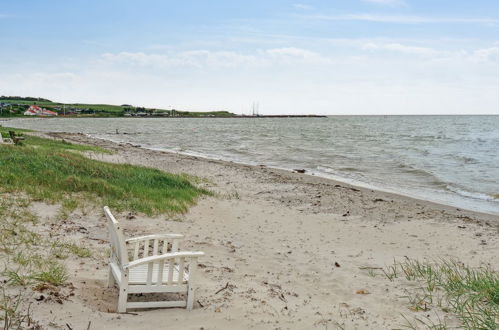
(35, 110)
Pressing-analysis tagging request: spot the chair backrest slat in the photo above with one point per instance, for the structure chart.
(155, 247)
(171, 270)
(161, 265)
(150, 267)
(146, 249)
(119, 252)
(136, 250)
(181, 265)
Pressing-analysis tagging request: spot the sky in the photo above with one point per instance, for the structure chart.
(343, 57)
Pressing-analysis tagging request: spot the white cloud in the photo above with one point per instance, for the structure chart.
(482, 55)
(486, 55)
(291, 54)
(349, 78)
(387, 2)
(216, 59)
(400, 48)
(302, 6)
(403, 19)
(196, 58)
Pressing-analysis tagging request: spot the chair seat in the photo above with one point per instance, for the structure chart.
(138, 275)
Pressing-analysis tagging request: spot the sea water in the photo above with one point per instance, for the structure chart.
(447, 159)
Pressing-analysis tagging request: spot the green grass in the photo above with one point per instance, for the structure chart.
(5, 131)
(61, 250)
(57, 171)
(108, 109)
(54, 273)
(50, 170)
(472, 294)
(26, 259)
(97, 107)
(15, 312)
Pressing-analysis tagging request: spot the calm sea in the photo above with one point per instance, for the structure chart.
(448, 159)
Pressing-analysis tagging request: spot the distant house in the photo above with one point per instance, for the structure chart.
(35, 110)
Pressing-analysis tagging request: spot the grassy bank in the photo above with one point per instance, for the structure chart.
(33, 257)
(471, 294)
(17, 105)
(54, 171)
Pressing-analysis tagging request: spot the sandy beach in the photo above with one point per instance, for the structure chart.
(288, 250)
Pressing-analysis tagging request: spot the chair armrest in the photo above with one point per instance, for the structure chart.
(155, 236)
(167, 256)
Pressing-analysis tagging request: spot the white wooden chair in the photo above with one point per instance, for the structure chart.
(150, 264)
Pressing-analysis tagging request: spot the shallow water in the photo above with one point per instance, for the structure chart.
(447, 159)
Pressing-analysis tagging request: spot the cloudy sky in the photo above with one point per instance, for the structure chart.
(324, 57)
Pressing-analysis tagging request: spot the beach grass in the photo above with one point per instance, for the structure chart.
(472, 294)
(55, 171)
(27, 260)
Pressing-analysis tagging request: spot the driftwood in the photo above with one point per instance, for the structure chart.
(224, 288)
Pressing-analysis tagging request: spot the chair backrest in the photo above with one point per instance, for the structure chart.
(118, 248)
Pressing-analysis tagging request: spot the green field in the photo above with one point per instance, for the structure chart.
(20, 104)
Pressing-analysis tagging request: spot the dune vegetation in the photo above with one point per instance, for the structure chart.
(55, 170)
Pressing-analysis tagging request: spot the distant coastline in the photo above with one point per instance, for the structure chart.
(18, 106)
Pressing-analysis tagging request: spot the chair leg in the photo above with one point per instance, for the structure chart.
(190, 297)
(122, 300)
(110, 280)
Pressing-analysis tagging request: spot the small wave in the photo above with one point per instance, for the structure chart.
(466, 159)
(431, 178)
(349, 169)
(472, 194)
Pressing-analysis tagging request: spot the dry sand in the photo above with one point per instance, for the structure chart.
(294, 249)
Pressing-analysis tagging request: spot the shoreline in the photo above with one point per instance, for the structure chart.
(293, 251)
(434, 188)
(494, 217)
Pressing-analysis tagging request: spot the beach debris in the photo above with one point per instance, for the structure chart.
(336, 264)
(369, 267)
(224, 288)
(346, 214)
(461, 227)
(275, 290)
(378, 200)
(465, 218)
(362, 291)
(227, 269)
(300, 170)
